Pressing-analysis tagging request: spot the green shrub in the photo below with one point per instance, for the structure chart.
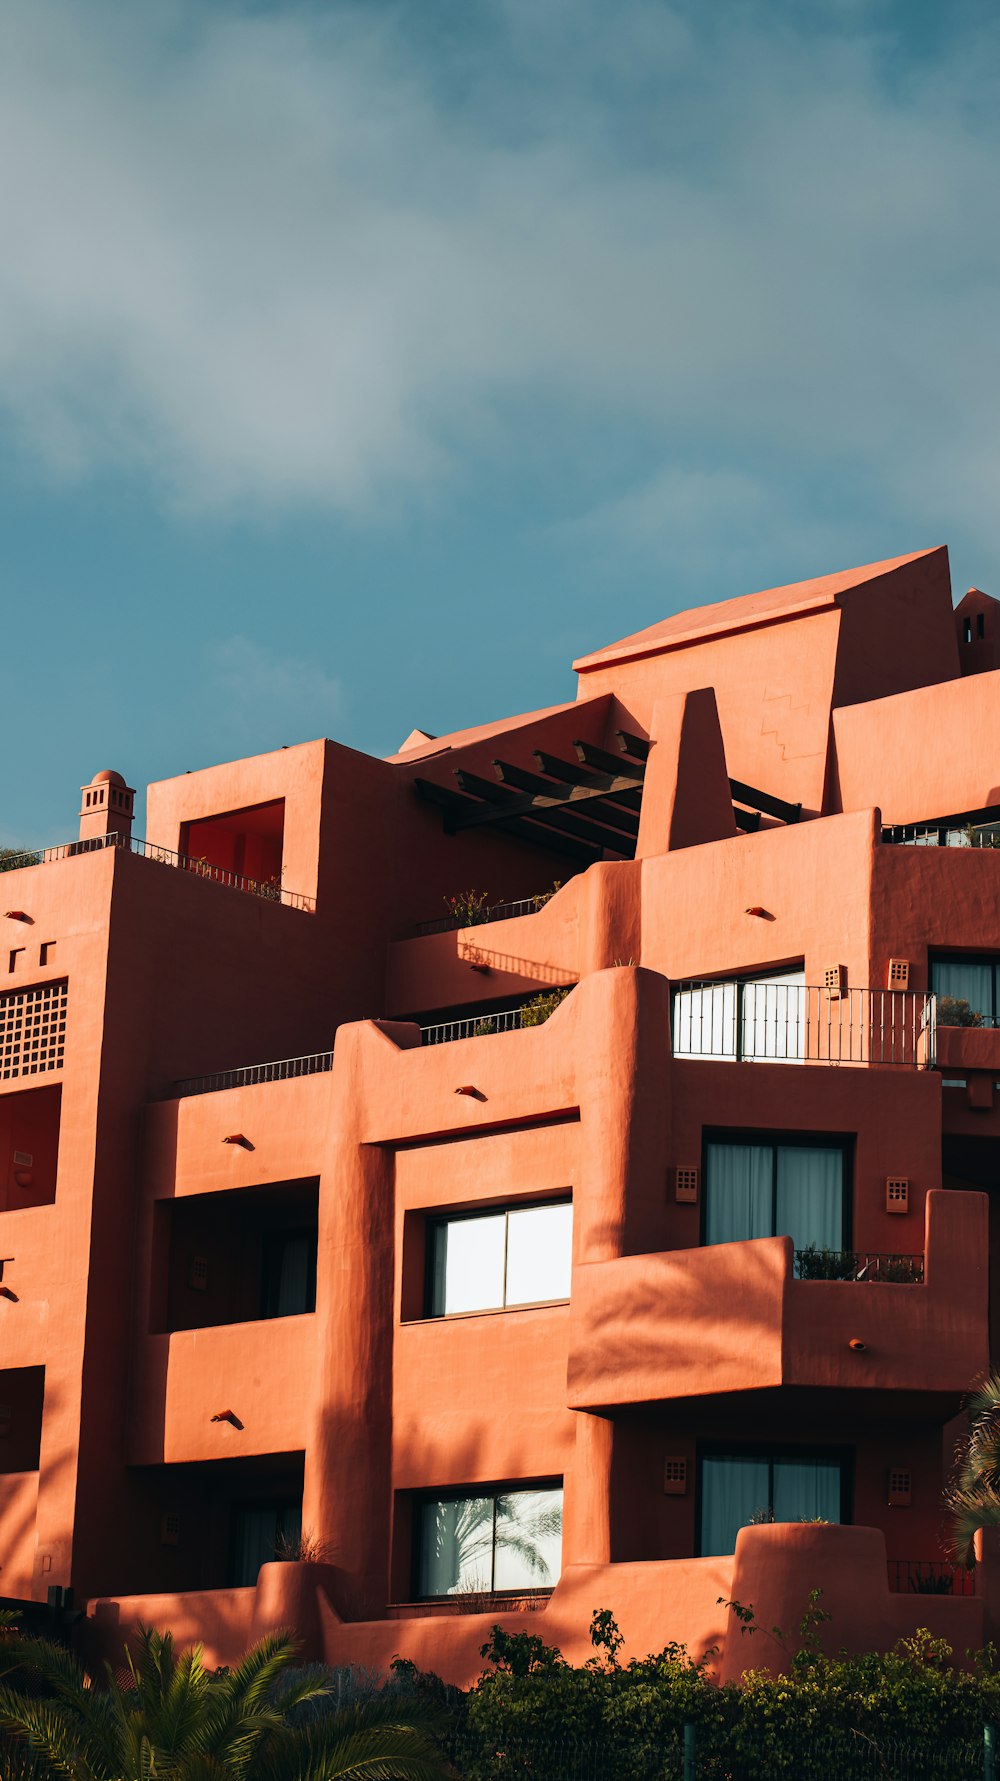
(540, 1007)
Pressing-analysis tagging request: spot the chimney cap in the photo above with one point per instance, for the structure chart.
(107, 776)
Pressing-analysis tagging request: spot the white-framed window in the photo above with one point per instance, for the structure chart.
(491, 1261)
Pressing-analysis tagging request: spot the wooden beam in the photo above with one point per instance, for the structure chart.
(609, 763)
(554, 811)
(454, 806)
(630, 744)
(572, 773)
(601, 808)
(748, 820)
(748, 794)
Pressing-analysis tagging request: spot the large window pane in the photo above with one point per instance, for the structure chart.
(739, 1188)
(967, 980)
(455, 1546)
(470, 1544)
(806, 1490)
(774, 1018)
(528, 1539)
(467, 1264)
(810, 1199)
(539, 1241)
(704, 1021)
(732, 1492)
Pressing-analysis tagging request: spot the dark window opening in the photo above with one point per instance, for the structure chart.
(769, 1186)
(244, 843)
(738, 1488)
(967, 630)
(29, 1147)
(980, 624)
(211, 1524)
(22, 1390)
(235, 1257)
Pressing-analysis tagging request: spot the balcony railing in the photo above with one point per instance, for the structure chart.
(930, 1576)
(269, 891)
(472, 1026)
(859, 1265)
(789, 1023)
(944, 833)
(446, 924)
(281, 1070)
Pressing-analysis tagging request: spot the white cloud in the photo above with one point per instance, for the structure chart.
(261, 700)
(293, 258)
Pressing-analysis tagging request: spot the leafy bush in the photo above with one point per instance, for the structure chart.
(469, 908)
(540, 1007)
(954, 1011)
(825, 1264)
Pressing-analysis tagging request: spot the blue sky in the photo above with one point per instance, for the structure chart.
(362, 364)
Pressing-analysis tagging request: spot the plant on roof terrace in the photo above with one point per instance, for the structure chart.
(542, 897)
(954, 1011)
(12, 857)
(468, 908)
(540, 1007)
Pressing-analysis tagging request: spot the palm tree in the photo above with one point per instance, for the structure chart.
(973, 1497)
(167, 1718)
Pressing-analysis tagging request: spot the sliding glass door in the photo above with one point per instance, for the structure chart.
(755, 1019)
(739, 1489)
(775, 1189)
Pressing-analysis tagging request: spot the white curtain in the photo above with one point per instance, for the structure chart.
(539, 1254)
(810, 1203)
(806, 1490)
(774, 1018)
(966, 980)
(467, 1264)
(704, 1021)
(732, 1491)
(738, 1192)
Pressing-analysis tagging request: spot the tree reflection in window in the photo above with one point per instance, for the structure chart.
(471, 1545)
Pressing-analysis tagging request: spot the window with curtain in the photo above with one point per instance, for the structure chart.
(288, 1287)
(519, 1255)
(498, 1541)
(262, 1532)
(754, 1019)
(970, 977)
(767, 1188)
(740, 1488)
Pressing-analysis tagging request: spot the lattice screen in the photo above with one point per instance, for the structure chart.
(32, 1030)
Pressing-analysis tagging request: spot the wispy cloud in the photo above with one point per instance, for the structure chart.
(301, 257)
(262, 700)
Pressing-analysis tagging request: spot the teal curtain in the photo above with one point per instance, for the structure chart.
(738, 1192)
(810, 1196)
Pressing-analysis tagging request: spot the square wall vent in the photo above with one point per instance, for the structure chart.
(835, 979)
(675, 1477)
(686, 1186)
(898, 976)
(897, 1193)
(198, 1275)
(170, 1529)
(900, 1487)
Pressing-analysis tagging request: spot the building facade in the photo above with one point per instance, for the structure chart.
(552, 1168)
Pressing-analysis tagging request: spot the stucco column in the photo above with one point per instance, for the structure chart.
(347, 1497)
(623, 1049)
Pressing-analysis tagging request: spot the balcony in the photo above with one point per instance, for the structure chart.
(733, 1317)
(271, 891)
(795, 1023)
(249, 1075)
(487, 1021)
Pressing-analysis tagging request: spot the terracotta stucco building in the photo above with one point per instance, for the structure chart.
(340, 1292)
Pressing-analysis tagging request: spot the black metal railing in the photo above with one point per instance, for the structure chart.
(794, 1023)
(472, 1026)
(930, 1576)
(943, 833)
(248, 1075)
(269, 890)
(446, 924)
(859, 1265)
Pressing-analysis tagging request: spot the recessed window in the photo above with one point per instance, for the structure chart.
(29, 1147)
(739, 1489)
(503, 1540)
(967, 986)
(262, 1532)
(520, 1255)
(775, 1189)
(235, 1257)
(242, 844)
(754, 1019)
